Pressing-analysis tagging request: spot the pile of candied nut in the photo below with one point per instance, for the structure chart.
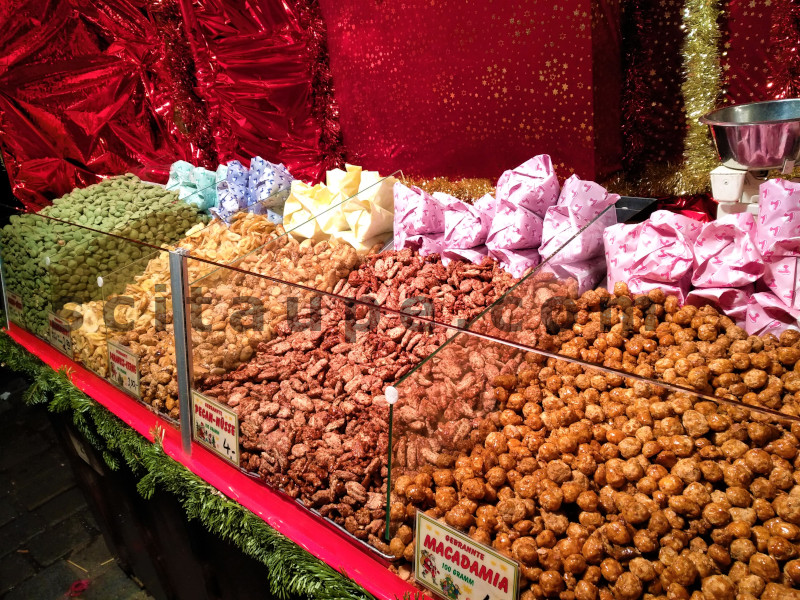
(137, 305)
(310, 404)
(221, 343)
(606, 486)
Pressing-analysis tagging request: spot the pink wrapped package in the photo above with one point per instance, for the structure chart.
(767, 314)
(476, 254)
(418, 220)
(515, 233)
(523, 196)
(533, 185)
(725, 253)
(778, 238)
(731, 301)
(579, 204)
(782, 277)
(653, 254)
(467, 226)
(588, 273)
(778, 229)
(516, 262)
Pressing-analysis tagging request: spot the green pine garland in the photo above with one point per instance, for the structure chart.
(292, 571)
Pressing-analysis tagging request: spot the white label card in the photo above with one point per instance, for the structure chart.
(216, 427)
(60, 335)
(123, 368)
(456, 567)
(15, 309)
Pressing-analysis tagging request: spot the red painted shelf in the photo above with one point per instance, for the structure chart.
(280, 512)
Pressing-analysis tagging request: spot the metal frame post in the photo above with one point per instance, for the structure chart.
(5, 290)
(181, 322)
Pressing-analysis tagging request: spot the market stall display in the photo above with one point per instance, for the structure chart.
(594, 438)
(310, 401)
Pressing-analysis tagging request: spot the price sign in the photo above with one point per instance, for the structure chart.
(123, 368)
(15, 309)
(216, 427)
(60, 335)
(453, 565)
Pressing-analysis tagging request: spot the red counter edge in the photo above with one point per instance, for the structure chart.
(279, 511)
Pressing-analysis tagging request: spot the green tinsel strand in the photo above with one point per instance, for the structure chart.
(292, 571)
(701, 91)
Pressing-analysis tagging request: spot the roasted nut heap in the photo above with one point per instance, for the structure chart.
(313, 418)
(445, 401)
(219, 342)
(602, 486)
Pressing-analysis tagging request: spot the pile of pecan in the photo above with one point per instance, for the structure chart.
(313, 417)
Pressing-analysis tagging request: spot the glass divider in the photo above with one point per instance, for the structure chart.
(179, 283)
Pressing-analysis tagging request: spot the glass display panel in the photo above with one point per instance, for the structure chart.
(305, 367)
(569, 466)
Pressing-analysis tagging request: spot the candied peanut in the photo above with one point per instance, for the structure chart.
(611, 569)
(474, 489)
(585, 590)
(459, 517)
(718, 587)
(716, 514)
(443, 477)
(742, 549)
(764, 566)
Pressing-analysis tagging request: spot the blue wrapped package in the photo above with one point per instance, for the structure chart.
(274, 214)
(268, 185)
(195, 185)
(231, 189)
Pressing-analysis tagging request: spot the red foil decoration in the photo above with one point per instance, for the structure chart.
(90, 89)
(262, 72)
(700, 207)
(83, 93)
(448, 88)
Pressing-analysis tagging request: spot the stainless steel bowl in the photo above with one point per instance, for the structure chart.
(761, 135)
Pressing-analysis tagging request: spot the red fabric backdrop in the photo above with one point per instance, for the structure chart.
(446, 87)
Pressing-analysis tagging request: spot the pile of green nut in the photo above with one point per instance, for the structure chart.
(49, 263)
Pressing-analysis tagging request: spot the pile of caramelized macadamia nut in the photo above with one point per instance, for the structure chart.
(605, 486)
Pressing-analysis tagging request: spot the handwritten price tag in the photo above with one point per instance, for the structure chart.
(60, 337)
(216, 427)
(123, 368)
(15, 310)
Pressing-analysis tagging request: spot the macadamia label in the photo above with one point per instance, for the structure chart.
(216, 427)
(456, 567)
(123, 368)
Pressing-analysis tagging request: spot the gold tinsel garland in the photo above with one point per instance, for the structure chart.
(468, 189)
(701, 91)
